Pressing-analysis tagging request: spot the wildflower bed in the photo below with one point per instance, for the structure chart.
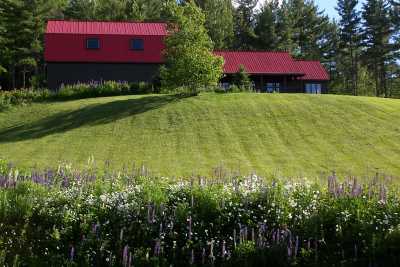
(70, 218)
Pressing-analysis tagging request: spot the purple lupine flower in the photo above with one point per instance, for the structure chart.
(332, 184)
(125, 256)
(356, 188)
(130, 260)
(72, 253)
(96, 230)
(273, 237)
(157, 248)
(383, 194)
(278, 236)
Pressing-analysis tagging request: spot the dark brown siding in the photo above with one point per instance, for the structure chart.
(72, 73)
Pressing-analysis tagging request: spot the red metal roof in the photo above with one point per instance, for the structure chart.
(65, 42)
(106, 27)
(313, 70)
(256, 62)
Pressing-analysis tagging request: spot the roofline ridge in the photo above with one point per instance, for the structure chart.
(306, 60)
(110, 21)
(253, 51)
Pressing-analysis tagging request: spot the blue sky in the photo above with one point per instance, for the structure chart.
(329, 6)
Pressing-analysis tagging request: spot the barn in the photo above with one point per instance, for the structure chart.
(86, 51)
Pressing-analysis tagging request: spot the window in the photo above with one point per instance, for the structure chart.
(137, 44)
(313, 88)
(273, 87)
(93, 43)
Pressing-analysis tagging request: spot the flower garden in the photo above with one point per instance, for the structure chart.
(65, 217)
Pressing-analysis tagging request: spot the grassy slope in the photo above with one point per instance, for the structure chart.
(288, 134)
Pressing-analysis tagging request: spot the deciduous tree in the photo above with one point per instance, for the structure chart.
(189, 55)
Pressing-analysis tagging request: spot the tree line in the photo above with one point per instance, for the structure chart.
(361, 50)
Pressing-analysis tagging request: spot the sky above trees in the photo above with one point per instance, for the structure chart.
(327, 5)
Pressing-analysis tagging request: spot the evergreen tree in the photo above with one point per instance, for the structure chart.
(377, 33)
(2, 43)
(332, 59)
(25, 22)
(150, 10)
(284, 28)
(190, 62)
(111, 9)
(245, 36)
(396, 22)
(219, 21)
(309, 29)
(242, 79)
(350, 41)
(266, 29)
(81, 9)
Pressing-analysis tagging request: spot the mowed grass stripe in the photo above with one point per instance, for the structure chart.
(289, 134)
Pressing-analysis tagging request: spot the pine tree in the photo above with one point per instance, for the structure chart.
(377, 33)
(245, 36)
(350, 41)
(219, 21)
(146, 10)
(111, 9)
(266, 29)
(25, 22)
(309, 29)
(284, 28)
(2, 44)
(81, 9)
(395, 14)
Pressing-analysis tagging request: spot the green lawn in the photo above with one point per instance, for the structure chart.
(283, 134)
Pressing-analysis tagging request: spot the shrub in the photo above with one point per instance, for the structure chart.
(75, 91)
(242, 80)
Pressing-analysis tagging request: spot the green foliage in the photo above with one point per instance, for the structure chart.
(350, 43)
(377, 33)
(244, 20)
(242, 80)
(190, 62)
(74, 218)
(267, 28)
(219, 21)
(76, 91)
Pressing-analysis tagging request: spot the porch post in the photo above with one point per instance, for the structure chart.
(285, 89)
(262, 83)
